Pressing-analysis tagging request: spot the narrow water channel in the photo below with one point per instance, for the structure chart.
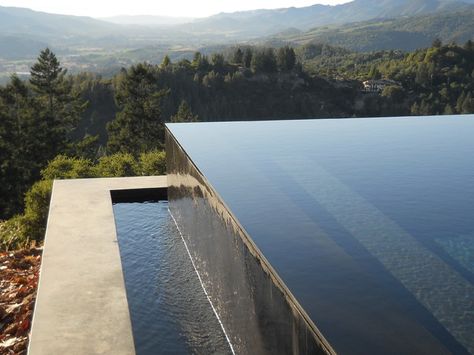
(169, 310)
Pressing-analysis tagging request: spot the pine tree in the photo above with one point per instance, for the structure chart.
(468, 104)
(20, 145)
(238, 56)
(374, 73)
(218, 62)
(138, 126)
(448, 110)
(247, 60)
(469, 45)
(437, 43)
(200, 62)
(166, 62)
(47, 77)
(184, 114)
(59, 107)
(264, 61)
(415, 109)
(286, 59)
(6, 157)
(196, 59)
(460, 102)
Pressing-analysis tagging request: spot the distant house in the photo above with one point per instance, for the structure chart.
(377, 86)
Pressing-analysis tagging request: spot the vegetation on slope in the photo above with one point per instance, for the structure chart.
(62, 126)
(391, 34)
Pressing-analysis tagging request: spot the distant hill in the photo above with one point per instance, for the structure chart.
(147, 20)
(15, 20)
(265, 22)
(405, 33)
(239, 25)
(12, 47)
(24, 31)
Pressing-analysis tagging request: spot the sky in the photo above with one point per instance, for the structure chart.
(176, 8)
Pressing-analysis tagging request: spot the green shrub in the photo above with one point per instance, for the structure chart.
(36, 209)
(13, 234)
(20, 231)
(117, 165)
(152, 163)
(63, 167)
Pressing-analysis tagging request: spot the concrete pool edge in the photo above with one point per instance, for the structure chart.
(81, 305)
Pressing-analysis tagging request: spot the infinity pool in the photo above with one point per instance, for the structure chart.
(369, 222)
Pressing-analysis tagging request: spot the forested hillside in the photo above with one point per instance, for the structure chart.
(436, 80)
(252, 24)
(57, 125)
(408, 33)
(245, 83)
(240, 25)
(391, 24)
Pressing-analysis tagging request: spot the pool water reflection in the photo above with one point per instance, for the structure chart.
(369, 222)
(169, 311)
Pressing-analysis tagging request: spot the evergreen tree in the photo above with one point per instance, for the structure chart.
(468, 104)
(460, 102)
(264, 61)
(196, 59)
(36, 125)
(469, 46)
(437, 43)
(138, 126)
(184, 67)
(59, 107)
(20, 141)
(218, 62)
(415, 108)
(238, 56)
(47, 77)
(184, 114)
(374, 73)
(286, 59)
(247, 59)
(166, 62)
(448, 110)
(7, 149)
(200, 62)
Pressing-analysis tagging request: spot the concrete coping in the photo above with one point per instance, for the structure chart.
(81, 305)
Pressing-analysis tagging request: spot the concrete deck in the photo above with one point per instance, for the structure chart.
(82, 305)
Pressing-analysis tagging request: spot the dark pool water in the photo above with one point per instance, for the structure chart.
(369, 222)
(169, 310)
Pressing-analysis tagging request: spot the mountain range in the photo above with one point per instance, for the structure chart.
(390, 22)
(147, 20)
(264, 22)
(405, 33)
(16, 20)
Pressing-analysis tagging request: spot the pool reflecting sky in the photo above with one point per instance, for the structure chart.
(369, 222)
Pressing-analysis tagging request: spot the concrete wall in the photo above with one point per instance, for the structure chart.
(81, 305)
(257, 310)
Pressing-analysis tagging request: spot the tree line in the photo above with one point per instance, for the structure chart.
(434, 80)
(36, 118)
(39, 142)
(95, 121)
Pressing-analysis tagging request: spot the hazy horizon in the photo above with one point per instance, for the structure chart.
(178, 8)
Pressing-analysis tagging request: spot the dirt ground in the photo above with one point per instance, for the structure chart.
(19, 272)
